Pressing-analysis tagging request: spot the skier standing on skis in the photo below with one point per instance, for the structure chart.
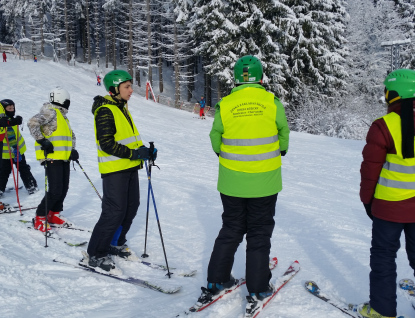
(249, 134)
(24, 169)
(202, 105)
(120, 156)
(53, 134)
(4, 56)
(387, 190)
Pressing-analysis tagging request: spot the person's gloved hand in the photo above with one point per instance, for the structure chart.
(14, 149)
(142, 153)
(283, 153)
(74, 155)
(46, 145)
(368, 208)
(154, 156)
(16, 121)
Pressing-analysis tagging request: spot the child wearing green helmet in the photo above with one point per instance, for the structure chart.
(120, 155)
(387, 190)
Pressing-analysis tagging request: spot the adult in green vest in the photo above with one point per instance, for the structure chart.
(120, 156)
(16, 148)
(249, 134)
(55, 139)
(387, 190)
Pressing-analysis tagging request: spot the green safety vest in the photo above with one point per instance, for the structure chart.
(126, 136)
(397, 177)
(22, 145)
(250, 139)
(61, 140)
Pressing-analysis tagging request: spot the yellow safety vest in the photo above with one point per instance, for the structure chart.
(250, 139)
(61, 140)
(397, 177)
(126, 136)
(2, 114)
(22, 145)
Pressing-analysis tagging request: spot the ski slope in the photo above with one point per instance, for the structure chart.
(319, 218)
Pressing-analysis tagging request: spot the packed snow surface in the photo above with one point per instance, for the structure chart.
(320, 220)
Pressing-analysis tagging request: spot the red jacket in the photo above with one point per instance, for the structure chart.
(379, 143)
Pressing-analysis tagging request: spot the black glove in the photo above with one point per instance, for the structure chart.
(4, 122)
(74, 155)
(46, 145)
(142, 153)
(368, 208)
(283, 153)
(16, 121)
(154, 157)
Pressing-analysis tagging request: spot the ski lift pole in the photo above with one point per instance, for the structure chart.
(151, 162)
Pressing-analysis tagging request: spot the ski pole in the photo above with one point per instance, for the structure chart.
(89, 179)
(158, 221)
(148, 209)
(14, 177)
(46, 198)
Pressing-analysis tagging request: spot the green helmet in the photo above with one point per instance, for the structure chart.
(399, 84)
(248, 69)
(114, 78)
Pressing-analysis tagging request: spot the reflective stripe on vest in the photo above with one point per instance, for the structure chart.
(125, 135)
(250, 140)
(22, 145)
(397, 177)
(61, 140)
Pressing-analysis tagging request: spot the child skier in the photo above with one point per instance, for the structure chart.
(387, 191)
(120, 156)
(4, 56)
(202, 105)
(249, 148)
(98, 80)
(35, 59)
(15, 140)
(55, 139)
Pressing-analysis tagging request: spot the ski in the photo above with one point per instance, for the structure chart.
(12, 188)
(348, 309)
(8, 210)
(70, 227)
(179, 272)
(53, 236)
(258, 306)
(130, 280)
(408, 287)
(196, 308)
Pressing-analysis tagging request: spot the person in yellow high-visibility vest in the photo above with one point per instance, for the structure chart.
(249, 134)
(54, 136)
(16, 148)
(120, 155)
(387, 190)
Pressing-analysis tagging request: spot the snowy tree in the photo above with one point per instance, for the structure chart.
(406, 10)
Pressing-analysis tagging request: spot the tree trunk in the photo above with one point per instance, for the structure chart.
(176, 68)
(42, 39)
(208, 96)
(88, 32)
(107, 38)
(114, 44)
(160, 67)
(130, 39)
(68, 45)
(150, 71)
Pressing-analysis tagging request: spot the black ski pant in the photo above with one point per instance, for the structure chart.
(255, 218)
(58, 185)
(119, 207)
(24, 172)
(385, 245)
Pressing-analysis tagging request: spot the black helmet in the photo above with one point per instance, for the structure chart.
(6, 102)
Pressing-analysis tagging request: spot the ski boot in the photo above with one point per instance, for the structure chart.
(39, 223)
(57, 220)
(123, 251)
(214, 291)
(32, 190)
(255, 301)
(105, 263)
(366, 311)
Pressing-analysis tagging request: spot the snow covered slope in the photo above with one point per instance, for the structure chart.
(319, 220)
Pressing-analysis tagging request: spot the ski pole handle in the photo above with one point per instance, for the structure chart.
(151, 150)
